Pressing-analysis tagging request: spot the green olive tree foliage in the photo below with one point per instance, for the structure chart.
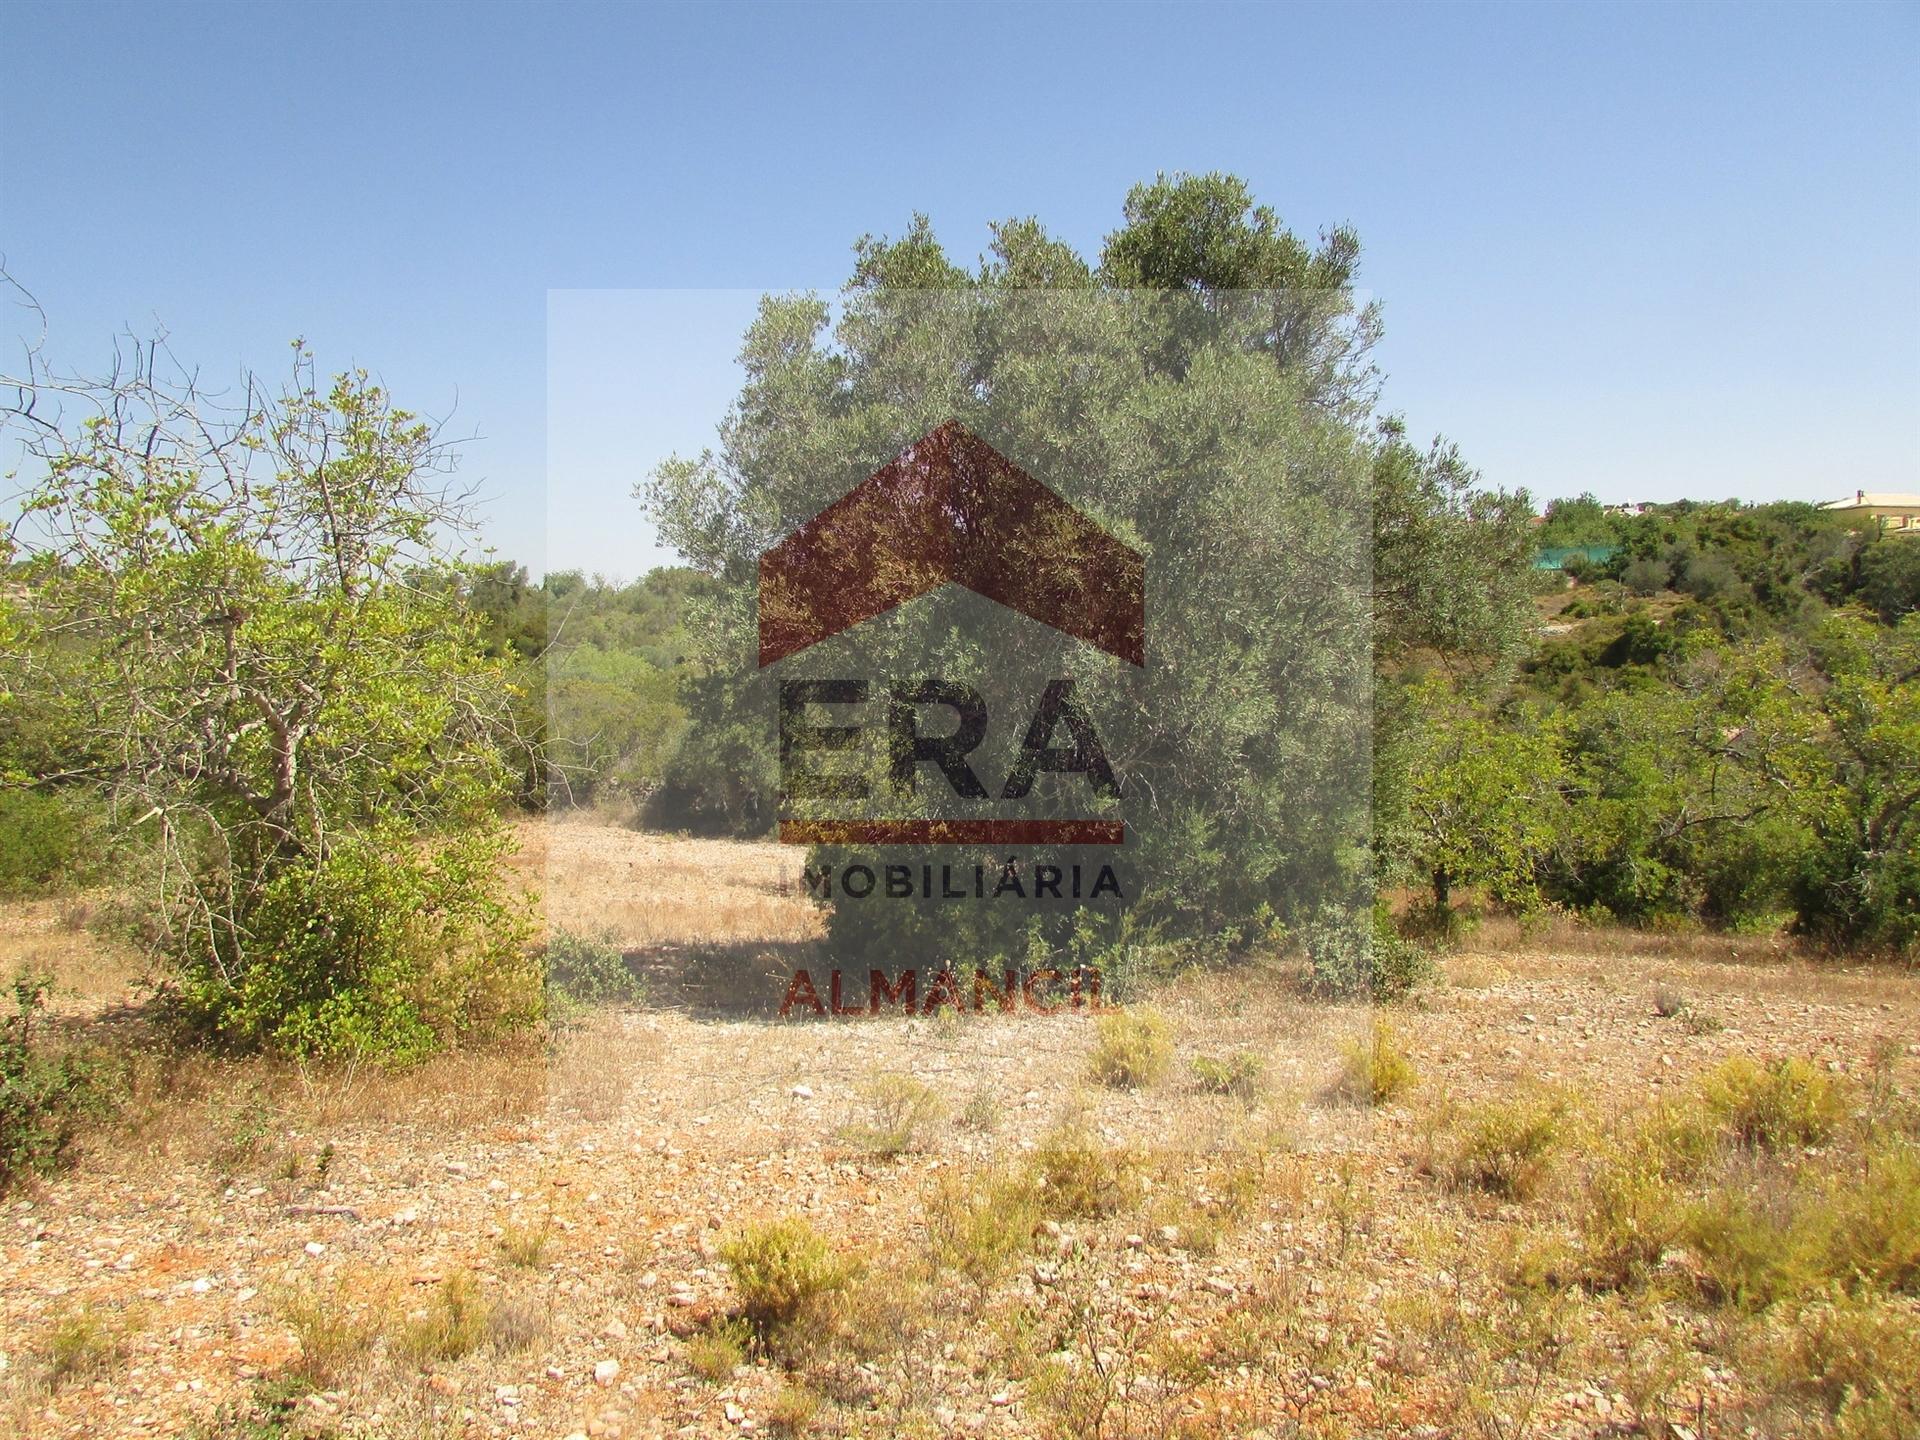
(248, 630)
(1204, 391)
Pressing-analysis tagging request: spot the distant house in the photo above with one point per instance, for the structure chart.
(1896, 514)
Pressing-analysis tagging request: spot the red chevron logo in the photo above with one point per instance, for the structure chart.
(952, 509)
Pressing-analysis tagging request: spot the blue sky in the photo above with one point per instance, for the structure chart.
(1647, 251)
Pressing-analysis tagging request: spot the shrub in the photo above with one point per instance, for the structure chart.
(784, 1270)
(1131, 1048)
(1078, 1175)
(1506, 1147)
(901, 1109)
(1646, 576)
(42, 1096)
(1774, 1107)
(382, 948)
(1377, 1070)
(1241, 1073)
(48, 842)
(979, 1224)
(1351, 955)
(591, 970)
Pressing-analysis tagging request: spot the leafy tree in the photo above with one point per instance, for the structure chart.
(1582, 520)
(1860, 883)
(250, 636)
(1889, 578)
(614, 719)
(1484, 801)
(1204, 391)
(1682, 793)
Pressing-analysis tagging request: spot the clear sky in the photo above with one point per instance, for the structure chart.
(1647, 251)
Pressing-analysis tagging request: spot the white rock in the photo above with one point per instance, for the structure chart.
(605, 1372)
(802, 1092)
(314, 1247)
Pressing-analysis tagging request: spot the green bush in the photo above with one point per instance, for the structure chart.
(784, 1270)
(47, 842)
(42, 1097)
(384, 947)
(1350, 957)
(591, 970)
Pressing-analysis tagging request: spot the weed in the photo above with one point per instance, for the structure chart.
(80, 1345)
(793, 1410)
(1078, 1175)
(1131, 1049)
(1874, 1237)
(1505, 1147)
(716, 1352)
(454, 1325)
(981, 1112)
(1376, 1069)
(516, 1323)
(333, 1334)
(1850, 1352)
(900, 1109)
(1786, 1104)
(526, 1245)
(1241, 1074)
(1634, 1204)
(978, 1224)
(42, 1096)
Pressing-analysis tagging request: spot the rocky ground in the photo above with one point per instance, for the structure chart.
(1293, 1246)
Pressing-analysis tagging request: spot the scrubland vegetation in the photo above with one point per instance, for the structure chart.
(378, 905)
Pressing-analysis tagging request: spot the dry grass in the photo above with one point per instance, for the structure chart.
(335, 1325)
(646, 889)
(1132, 1048)
(65, 938)
(1151, 1266)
